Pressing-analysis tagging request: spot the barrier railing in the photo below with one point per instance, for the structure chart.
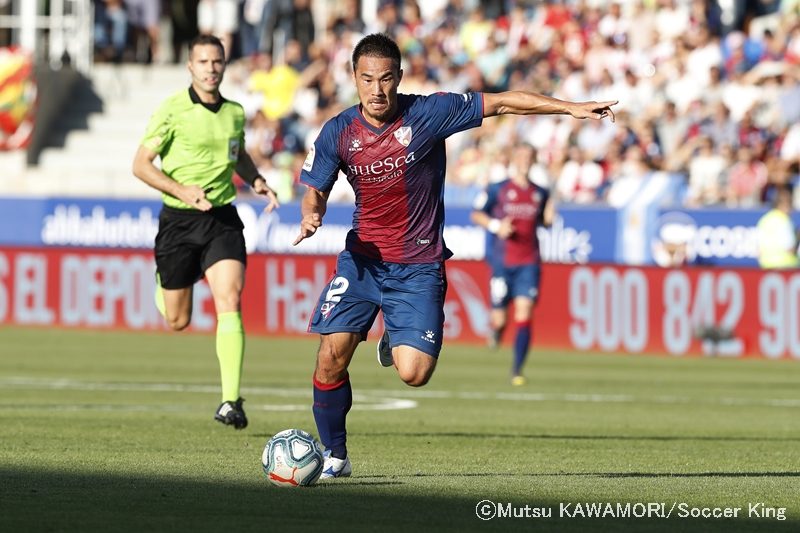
(63, 34)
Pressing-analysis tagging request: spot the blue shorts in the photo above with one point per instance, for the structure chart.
(411, 297)
(508, 283)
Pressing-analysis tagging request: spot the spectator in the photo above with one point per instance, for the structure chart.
(705, 174)
(183, 19)
(580, 178)
(777, 235)
(746, 180)
(110, 29)
(630, 177)
(672, 128)
(144, 16)
(251, 26)
(221, 19)
(790, 148)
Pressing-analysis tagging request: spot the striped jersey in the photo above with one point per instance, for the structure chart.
(397, 173)
(525, 206)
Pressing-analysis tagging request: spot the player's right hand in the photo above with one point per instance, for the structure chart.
(195, 196)
(506, 228)
(308, 227)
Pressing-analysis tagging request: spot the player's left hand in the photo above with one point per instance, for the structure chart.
(594, 110)
(260, 187)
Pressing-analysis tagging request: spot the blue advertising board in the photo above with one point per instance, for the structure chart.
(580, 234)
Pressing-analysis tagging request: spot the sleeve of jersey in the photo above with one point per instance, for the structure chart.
(321, 167)
(455, 112)
(545, 200)
(159, 130)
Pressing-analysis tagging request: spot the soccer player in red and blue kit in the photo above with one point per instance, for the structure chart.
(511, 211)
(391, 147)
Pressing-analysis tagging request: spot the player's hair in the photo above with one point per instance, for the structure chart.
(204, 39)
(376, 45)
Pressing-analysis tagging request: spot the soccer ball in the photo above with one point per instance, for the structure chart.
(292, 458)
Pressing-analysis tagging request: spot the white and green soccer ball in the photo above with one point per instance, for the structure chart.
(292, 458)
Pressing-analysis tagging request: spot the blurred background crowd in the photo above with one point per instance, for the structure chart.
(708, 90)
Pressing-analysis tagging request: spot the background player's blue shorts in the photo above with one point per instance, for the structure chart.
(509, 282)
(411, 297)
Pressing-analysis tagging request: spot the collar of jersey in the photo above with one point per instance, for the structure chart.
(195, 98)
(375, 129)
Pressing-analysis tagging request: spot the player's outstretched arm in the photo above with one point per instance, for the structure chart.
(313, 208)
(529, 103)
(145, 170)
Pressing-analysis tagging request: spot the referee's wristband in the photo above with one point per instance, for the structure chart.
(494, 225)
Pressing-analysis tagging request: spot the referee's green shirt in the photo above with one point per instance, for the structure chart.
(197, 145)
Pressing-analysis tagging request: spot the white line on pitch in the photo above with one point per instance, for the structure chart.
(361, 401)
(376, 395)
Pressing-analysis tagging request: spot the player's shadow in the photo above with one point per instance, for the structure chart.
(544, 436)
(611, 475)
(105, 499)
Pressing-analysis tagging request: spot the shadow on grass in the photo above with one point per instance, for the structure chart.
(33, 501)
(609, 475)
(659, 438)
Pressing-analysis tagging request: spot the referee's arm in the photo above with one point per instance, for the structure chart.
(145, 170)
(248, 171)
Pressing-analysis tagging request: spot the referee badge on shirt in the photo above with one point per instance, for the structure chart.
(403, 135)
(233, 149)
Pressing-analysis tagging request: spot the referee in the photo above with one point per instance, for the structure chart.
(199, 136)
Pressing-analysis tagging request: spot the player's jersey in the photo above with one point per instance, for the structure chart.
(397, 173)
(525, 206)
(197, 146)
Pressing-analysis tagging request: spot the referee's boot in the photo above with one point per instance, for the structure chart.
(231, 414)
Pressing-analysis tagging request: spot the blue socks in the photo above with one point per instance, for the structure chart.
(332, 402)
(522, 342)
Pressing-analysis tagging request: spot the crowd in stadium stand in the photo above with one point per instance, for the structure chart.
(708, 97)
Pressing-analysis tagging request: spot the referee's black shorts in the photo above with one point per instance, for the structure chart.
(190, 241)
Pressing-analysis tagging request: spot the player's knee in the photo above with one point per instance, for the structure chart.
(180, 322)
(415, 377)
(228, 303)
(328, 374)
(330, 368)
(414, 367)
(416, 380)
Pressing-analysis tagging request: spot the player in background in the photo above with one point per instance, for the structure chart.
(511, 211)
(391, 147)
(199, 136)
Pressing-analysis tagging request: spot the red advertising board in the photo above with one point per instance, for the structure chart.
(597, 308)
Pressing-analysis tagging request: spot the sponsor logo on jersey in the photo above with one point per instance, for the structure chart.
(355, 145)
(308, 164)
(378, 171)
(423, 242)
(403, 135)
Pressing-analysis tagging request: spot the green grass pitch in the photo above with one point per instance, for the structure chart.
(113, 431)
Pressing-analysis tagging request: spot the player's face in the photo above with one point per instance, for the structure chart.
(377, 79)
(207, 65)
